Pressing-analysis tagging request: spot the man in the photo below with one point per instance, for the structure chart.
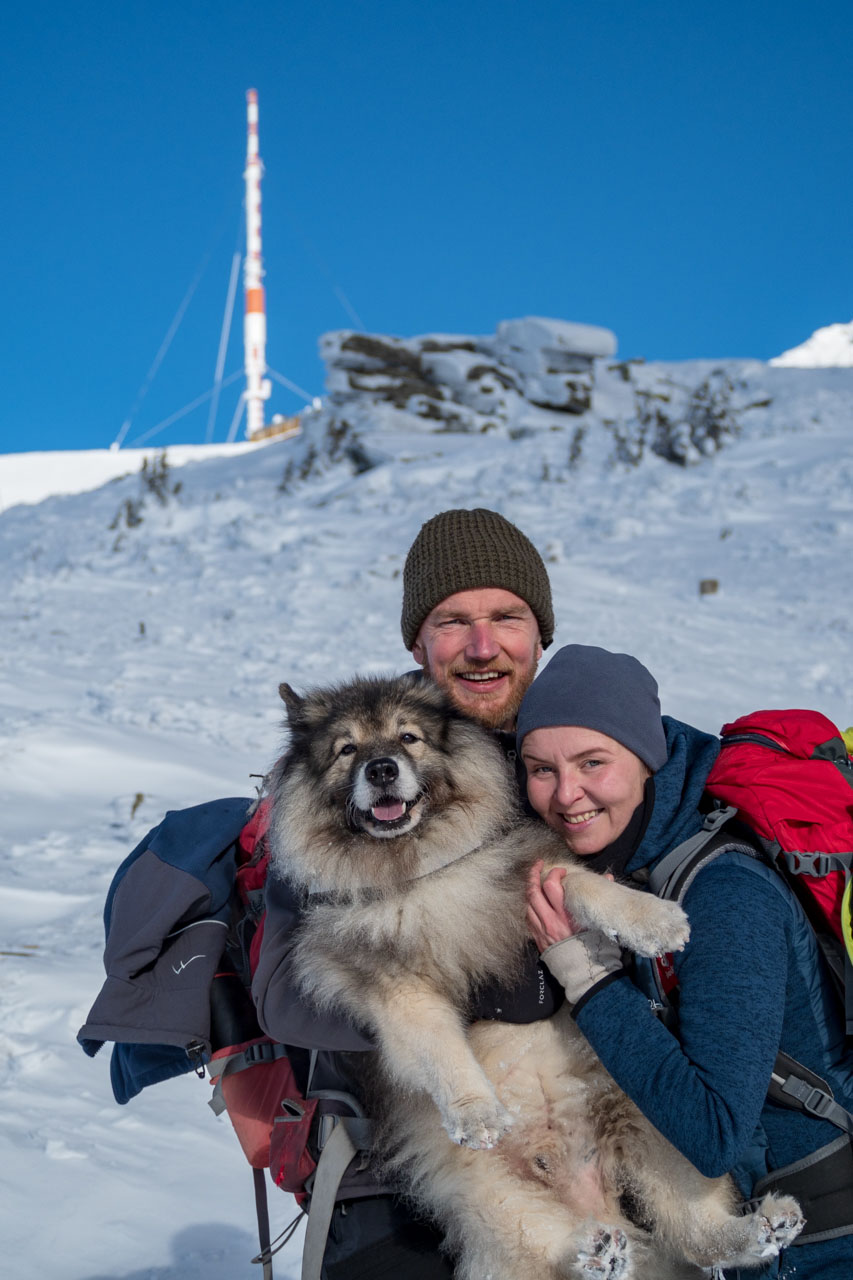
(477, 611)
(476, 616)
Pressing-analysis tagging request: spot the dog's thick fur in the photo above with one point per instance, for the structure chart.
(398, 819)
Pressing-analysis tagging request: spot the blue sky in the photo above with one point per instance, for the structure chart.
(680, 173)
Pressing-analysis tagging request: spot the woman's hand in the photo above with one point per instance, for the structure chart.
(547, 917)
(578, 958)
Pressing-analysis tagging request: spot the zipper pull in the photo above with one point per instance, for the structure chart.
(196, 1053)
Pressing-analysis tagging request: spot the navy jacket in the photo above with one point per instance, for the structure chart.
(166, 920)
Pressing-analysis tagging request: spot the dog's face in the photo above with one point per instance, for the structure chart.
(376, 750)
(383, 781)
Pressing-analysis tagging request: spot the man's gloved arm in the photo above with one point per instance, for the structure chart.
(284, 1014)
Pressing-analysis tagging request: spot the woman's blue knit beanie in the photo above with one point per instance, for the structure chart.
(610, 692)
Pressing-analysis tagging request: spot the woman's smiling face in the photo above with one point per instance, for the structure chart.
(583, 784)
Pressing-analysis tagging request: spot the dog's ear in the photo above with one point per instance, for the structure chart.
(291, 700)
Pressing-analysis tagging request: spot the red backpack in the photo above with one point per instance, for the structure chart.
(789, 776)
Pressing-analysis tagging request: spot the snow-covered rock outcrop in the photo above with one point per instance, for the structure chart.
(534, 377)
(462, 383)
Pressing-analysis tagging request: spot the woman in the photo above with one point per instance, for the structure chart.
(623, 786)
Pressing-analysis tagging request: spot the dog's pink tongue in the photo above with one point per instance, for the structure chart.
(388, 812)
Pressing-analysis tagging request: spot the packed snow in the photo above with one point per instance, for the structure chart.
(147, 625)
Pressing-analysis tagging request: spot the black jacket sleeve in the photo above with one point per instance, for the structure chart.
(283, 1013)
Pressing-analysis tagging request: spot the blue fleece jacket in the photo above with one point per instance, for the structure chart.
(751, 982)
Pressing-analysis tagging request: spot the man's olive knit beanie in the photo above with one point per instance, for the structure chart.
(464, 550)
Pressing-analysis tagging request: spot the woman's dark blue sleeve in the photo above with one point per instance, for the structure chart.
(704, 1092)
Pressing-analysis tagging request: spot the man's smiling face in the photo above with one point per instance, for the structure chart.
(482, 648)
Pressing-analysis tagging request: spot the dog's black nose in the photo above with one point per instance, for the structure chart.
(381, 771)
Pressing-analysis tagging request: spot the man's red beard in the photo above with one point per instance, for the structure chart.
(491, 713)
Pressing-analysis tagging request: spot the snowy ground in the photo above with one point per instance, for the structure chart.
(139, 669)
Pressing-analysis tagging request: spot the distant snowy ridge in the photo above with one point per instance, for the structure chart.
(32, 477)
(828, 347)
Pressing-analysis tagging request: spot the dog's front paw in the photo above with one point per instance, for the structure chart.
(659, 928)
(477, 1124)
(604, 1256)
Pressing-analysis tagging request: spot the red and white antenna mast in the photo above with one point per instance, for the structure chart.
(255, 319)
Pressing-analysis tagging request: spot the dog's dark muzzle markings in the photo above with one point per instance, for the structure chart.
(385, 791)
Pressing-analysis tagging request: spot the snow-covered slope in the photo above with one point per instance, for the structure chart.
(144, 638)
(829, 346)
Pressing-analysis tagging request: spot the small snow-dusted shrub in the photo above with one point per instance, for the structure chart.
(129, 514)
(679, 423)
(155, 480)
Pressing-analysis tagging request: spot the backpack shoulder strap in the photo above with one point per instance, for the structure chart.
(350, 1136)
(673, 875)
(792, 1085)
(795, 1086)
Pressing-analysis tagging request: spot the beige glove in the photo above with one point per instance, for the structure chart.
(581, 961)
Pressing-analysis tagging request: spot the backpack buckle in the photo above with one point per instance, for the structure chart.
(263, 1051)
(325, 1126)
(805, 863)
(718, 818)
(818, 1104)
(815, 1101)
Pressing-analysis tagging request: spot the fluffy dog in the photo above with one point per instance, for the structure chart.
(398, 820)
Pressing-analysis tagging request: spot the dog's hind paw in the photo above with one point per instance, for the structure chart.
(779, 1222)
(477, 1124)
(605, 1256)
(761, 1235)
